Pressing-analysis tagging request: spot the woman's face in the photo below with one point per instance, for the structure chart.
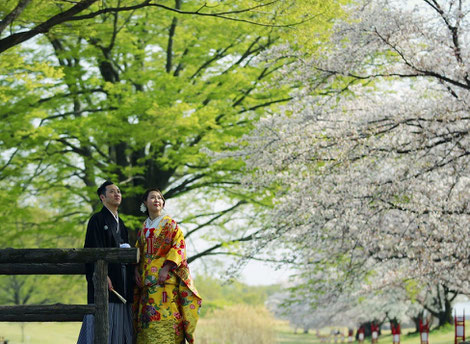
(154, 202)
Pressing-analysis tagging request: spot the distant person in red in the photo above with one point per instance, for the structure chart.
(106, 229)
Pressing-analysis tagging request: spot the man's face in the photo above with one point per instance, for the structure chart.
(112, 196)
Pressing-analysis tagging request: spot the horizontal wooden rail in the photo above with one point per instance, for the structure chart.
(68, 262)
(42, 269)
(75, 255)
(46, 313)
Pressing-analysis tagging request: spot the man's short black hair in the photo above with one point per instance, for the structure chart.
(102, 189)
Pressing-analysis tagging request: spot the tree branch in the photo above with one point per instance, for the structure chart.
(219, 245)
(20, 37)
(219, 215)
(13, 14)
(198, 12)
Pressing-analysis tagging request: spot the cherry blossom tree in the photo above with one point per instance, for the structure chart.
(370, 160)
(349, 308)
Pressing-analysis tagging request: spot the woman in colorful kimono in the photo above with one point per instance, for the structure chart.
(166, 302)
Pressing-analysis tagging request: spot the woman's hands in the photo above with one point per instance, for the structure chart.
(163, 273)
(138, 277)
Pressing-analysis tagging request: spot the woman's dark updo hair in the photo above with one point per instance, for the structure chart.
(146, 194)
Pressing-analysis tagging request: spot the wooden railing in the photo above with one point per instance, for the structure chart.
(64, 262)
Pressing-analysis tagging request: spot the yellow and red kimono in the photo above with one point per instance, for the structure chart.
(165, 314)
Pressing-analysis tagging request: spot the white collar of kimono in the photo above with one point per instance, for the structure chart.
(153, 223)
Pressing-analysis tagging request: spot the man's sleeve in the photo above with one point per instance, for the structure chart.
(92, 239)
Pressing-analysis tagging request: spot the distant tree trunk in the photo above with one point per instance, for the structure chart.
(445, 315)
(440, 306)
(416, 319)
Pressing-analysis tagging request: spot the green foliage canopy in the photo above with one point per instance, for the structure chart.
(142, 93)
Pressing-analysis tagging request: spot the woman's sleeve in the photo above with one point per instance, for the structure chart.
(140, 245)
(138, 241)
(177, 252)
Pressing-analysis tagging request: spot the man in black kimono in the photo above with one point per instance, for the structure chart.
(106, 229)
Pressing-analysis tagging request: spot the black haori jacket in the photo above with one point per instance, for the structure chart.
(99, 234)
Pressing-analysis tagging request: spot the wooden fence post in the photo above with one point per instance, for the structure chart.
(100, 282)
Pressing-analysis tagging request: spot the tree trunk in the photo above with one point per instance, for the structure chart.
(416, 321)
(445, 316)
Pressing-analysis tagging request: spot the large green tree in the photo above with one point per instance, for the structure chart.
(143, 93)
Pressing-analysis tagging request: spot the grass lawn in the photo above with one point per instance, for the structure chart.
(67, 333)
(41, 333)
(286, 335)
